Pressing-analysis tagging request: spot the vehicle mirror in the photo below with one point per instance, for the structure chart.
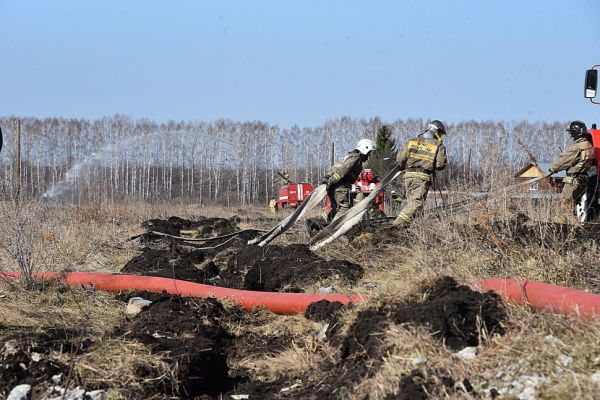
(591, 83)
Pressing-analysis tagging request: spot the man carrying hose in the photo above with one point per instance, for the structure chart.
(419, 158)
(340, 178)
(577, 159)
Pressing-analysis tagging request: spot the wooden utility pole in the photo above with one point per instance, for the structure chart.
(332, 155)
(469, 168)
(18, 157)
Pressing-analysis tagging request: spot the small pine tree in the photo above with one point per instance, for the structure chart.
(384, 158)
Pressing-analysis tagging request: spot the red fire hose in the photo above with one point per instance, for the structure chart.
(279, 303)
(544, 296)
(537, 295)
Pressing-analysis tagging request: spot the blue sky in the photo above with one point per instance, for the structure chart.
(299, 62)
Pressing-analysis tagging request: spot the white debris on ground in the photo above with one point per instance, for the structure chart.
(565, 361)
(23, 392)
(524, 387)
(514, 384)
(322, 334)
(20, 392)
(468, 353)
(554, 340)
(291, 388)
(136, 305)
(72, 394)
(57, 378)
(326, 290)
(78, 393)
(10, 347)
(416, 361)
(97, 395)
(595, 377)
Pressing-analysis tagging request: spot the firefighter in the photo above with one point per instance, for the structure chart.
(273, 206)
(340, 178)
(577, 159)
(420, 158)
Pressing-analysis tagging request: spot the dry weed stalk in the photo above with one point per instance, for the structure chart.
(23, 223)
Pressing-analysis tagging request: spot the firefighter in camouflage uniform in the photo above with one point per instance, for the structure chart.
(577, 159)
(419, 158)
(340, 178)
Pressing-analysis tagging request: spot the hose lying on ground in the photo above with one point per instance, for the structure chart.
(279, 303)
(544, 296)
(537, 295)
(206, 239)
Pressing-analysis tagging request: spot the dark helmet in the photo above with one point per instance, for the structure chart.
(439, 126)
(577, 129)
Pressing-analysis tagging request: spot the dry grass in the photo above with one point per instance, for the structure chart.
(95, 239)
(565, 357)
(117, 363)
(55, 306)
(289, 363)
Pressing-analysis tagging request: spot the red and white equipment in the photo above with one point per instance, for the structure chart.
(588, 206)
(292, 194)
(366, 182)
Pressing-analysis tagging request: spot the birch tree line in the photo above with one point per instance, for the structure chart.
(226, 162)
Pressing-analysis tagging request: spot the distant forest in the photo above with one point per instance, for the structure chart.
(235, 163)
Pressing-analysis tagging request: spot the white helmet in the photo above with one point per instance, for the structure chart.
(365, 146)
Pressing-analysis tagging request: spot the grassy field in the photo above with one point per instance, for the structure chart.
(176, 348)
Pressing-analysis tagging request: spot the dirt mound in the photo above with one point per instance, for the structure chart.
(175, 262)
(206, 227)
(244, 343)
(25, 358)
(188, 334)
(449, 310)
(272, 268)
(453, 313)
(285, 268)
(230, 262)
(323, 310)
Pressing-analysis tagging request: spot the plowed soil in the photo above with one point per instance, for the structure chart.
(196, 338)
(187, 334)
(192, 335)
(449, 311)
(324, 311)
(285, 268)
(174, 262)
(272, 268)
(26, 357)
(206, 227)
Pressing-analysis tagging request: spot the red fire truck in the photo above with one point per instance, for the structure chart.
(588, 206)
(292, 194)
